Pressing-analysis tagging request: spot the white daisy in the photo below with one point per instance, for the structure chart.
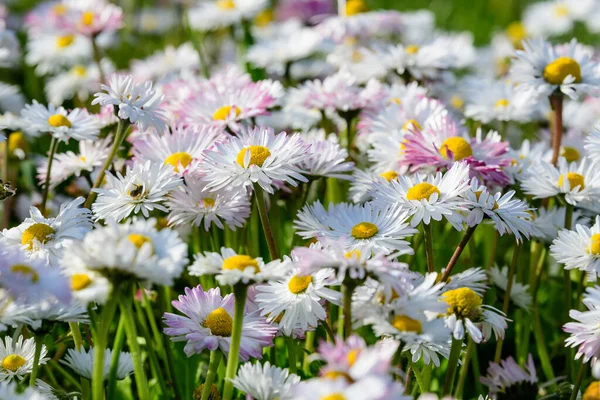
(265, 382)
(12, 391)
(371, 387)
(51, 52)
(216, 14)
(555, 17)
(585, 333)
(167, 64)
(519, 293)
(579, 248)
(508, 378)
(592, 143)
(63, 125)
(79, 83)
(82, 362)
(548, 221)
(52, 312)
(17, 357)
(11, 98)
(361, 62)
(144, 188)
(497, 101)
(326, 158)
(472, 278)
(10, 50)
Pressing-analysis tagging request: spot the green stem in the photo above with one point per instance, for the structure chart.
(418, 374)
(540, 341)
(114, 362)
(556, 101)
(464, 369)
(457, 252)
(152, 322)
(347, 307)
(578, 380)
(98, 60)
(7, 204)
(349, 135)
(329, 330)
(36, 360)
(213, 364)
(452, 365)
(76, 333)
(53, 148)
(240, 291)
(309, 344)
(291, 347)
(566, 272)
(506, 304)
(428, 231)
(100, 342)
(259, 196)
(136, 354)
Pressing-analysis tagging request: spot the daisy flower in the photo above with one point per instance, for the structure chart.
(592, 143)
(300, 299)
(82, 362)
(511, 379)
(579, 248)
(543, 69)
(144, 188)
(136, 102)
(12, 391)
(52, 52)
(17, 358)
(91, 18)
(256, 156)
(372, 387)
(427, 197)
(472, 278)
(10, 50)
(361, 62)
(555, 17)
(467, 311)
(265, 382)
(211, 15)
(232, 268)
(77, 83)
(208, 321)
(53, 312)
(548, 221)
(47, 237)
(167, 64)
(326, 158)
(585, 332)
(63, 125)
(497, 101)
(363, 182)
(519, 293)
(362, 25)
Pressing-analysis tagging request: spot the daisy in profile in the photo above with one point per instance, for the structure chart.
(586, 328)
(543, 69)
(216, 14)
(180, 148)
(136, 102)
(63, 125)
(231, 268)
(144, 188)
(326, 158)
(519, 293)
(265, 382)
(47, 237)
(91, 18)
(257, 156)
(509, 378)
(207, 323)
(82, 362)
(579, 248)
(592, 143)
(299, 298)
(549, 221)
(466, 311)
(54, 51)
(17, 358)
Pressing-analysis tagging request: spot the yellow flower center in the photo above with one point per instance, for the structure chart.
(354, 7)
(571, 154)
(80, 281)
(352, 356)
(574, 179)
(181, 158)
(560, 10)
(240, 262)
(222, 113)
(422, 191)
(594, 247)
(364, 230)
(38, 231)
(406, 324)
(395, 100)
(79, 70)
(353, 254)
(26, 271)
(87, 18)
(516, 32)
(592, 392)
(457, 101)
(502, 103)
(58, 120)
(411, 49)
(412, 123)
(464, 303)
(16, 141)
(333, 396)
(556, 72)
(264, 18)
(226, 4)
(59, 9)
(459, 147)
(208, 202)
(299, 284)
(64, 41)
(258, 155)
(389, 175)
(337, 374)
(219, 322)
(357, 56)
(13, 362)
(139, 240)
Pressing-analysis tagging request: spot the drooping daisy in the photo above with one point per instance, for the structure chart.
(256, 156)
(63, 125)
(136, 102)
(542, 68)
(53, 51)
(265, 382)
(82, 362)
(519, 293)
(216, 14)
(208, 321)
(17, 357)
(510, 379)
(47, 237)
(579, 248)
(144, 188)
(232, 268)
(585, 331)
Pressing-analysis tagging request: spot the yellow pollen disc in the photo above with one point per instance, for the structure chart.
(13, 362)
(80, 281)
(337, 374)
(219, 322)
(406, 324)
(516, 32)
(40, 232)
(412, 49)
(571, 154)
(240, 262)
(208, 202)
(226, 4)
(459, 147)
(139, 240)
(58, 120)
(16, 141)
(59, 9)
(333, 396)
(574, 179)
(64, 41)
(354, 7)
(457, 101)
(592, 392)
(258, 155)
(87, 18)
(222, 113)
(412, 123)
(560, 10)
(463, 302)
(264, 18)
(299, 284)
(357, 56)
(395, 100)
(502, 103)
(26, 271)
(352, 356)
(364, 230)
(82, 159)
(181, 158)
(422, 191)
(389, 175)
(79, 70)
(594, 247)
(556, 72)
(353, 254)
